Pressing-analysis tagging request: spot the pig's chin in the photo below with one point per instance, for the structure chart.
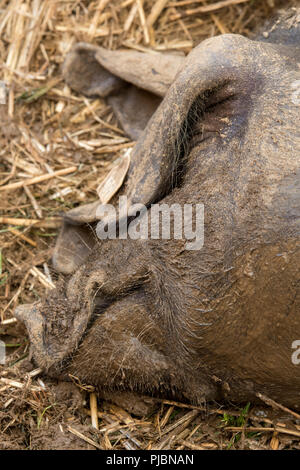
(53, 340)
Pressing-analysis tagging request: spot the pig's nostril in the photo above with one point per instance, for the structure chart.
(31, 317)
(22, 311)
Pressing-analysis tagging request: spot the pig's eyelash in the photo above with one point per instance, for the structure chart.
(206, 103)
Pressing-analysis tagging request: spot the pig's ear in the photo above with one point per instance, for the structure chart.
(133, 108)
(76, 238)
(133, 81)
(153, 72)
(73, 245)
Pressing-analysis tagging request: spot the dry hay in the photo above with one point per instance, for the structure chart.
(56, 146)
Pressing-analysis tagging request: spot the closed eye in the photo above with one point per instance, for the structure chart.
(207, 118)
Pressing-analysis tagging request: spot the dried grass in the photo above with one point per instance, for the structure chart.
(56, 147)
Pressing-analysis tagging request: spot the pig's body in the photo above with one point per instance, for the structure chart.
(153, 317)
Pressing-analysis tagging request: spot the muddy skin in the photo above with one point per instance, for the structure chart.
(217, 324)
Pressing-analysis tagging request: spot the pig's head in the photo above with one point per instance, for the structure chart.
(150, 316)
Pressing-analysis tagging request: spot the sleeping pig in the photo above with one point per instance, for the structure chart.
(149, 315)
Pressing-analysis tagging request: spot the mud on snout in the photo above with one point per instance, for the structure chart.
(57, 324)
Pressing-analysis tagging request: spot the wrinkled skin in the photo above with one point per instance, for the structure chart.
(219, 323)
